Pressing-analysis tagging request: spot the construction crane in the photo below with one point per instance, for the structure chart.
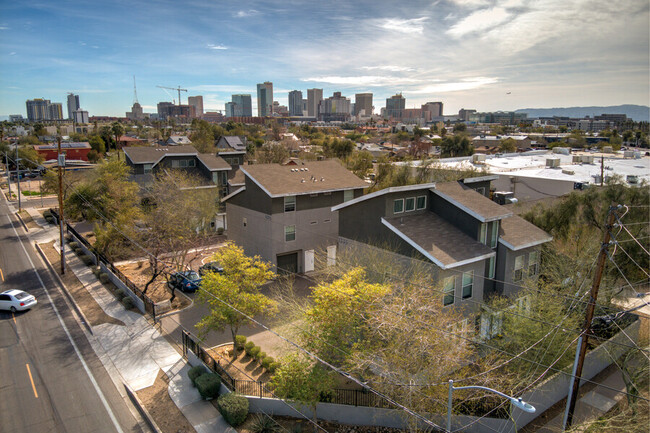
(175, 88)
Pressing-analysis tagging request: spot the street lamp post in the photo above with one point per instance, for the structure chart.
(518, 402)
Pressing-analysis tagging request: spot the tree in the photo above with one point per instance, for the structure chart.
(460, 127)
(360, 163)
(456, 145)
(118, 130)
(239, 286)
(271, 154)
(301, 380)
(508, 145)
(97, 144)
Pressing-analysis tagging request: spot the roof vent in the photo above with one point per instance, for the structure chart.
(302, 180)
(306, 169)
(322, 179)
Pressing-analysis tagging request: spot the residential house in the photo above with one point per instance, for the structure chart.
(232, 149)
(72, 151)
(283, 213)
(475, 247)
(178, 140)
(146, 162)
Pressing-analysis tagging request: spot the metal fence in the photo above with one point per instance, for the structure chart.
(252, 388)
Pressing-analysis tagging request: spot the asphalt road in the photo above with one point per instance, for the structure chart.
(51, 381)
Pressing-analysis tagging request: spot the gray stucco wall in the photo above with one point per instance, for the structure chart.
(459, 219)
(531, 188)
(505, 267)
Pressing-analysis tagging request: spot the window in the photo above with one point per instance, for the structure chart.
(290, 203)
(482, 234)
(183, 163)
(491, 267)
(422, 202)
(448, 287)
(410, 204)
(533, 263)
(481, 190)
(468, 284)
(244, 221)
(398, 206)
(518, 273)
(327, 221)
(175, 163)
(348, 195)
(191, 163)
(495, 234)
(289, 233)
(147, 168)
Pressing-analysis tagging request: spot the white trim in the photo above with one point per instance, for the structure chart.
(232, 194)
(481, 218)
(428, 255)
(382, 192)
(480, 179)
(236, 152)
(521, 247)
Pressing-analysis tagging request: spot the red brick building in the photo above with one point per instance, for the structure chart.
(78, 151)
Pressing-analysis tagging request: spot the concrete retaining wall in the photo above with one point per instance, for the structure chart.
(115, 280)
(84, 248)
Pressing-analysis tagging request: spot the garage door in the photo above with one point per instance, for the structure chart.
(288, 263)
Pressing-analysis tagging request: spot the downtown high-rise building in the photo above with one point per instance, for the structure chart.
(265, 99)
(242, 105)
(314, 98)
(43, 109)
(295, 103)
(363, 102)
(73, 105)
(394, 106)
(197, 103)
(336, 108)
(435, 108)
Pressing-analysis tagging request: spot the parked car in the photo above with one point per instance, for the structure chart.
(185, 281)
(16, 300)
(210, 267)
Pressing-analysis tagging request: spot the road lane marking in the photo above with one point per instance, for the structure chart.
(31, 379)
(67, 332)
(2, 275)
(14, 316)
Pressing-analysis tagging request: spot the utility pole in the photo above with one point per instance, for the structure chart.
(61, 164)
(602, 169)
(8, 176)
(581, 351)
(18, 177)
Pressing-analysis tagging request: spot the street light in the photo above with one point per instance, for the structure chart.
(518, 402)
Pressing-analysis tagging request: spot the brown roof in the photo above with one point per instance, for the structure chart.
(440, 241)
(212, 162)
(149, 154)
(309, 177)
(470, 201)
(516, 233)
(237, 178)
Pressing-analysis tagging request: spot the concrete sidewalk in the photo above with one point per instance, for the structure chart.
(136, 351)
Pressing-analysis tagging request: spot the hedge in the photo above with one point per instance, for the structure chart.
(240, 341)
(260, 356)
(195, 372)
(248, 346)
(208, 385)
(234, 408)
(74, 245)
(128, 302)
(103, 277)
(273, 366)
(267, 361)
(87, 260)
(255, 351)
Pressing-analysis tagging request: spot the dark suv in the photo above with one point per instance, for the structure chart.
(210, 267)
(185, 281)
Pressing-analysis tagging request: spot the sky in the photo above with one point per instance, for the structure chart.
(481, 54)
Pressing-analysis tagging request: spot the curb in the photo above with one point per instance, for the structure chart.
(171, 313)
(84, 320)
(143, 410)
(22, 222)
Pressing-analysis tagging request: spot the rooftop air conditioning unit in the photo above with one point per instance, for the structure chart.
(553, 162)
(588, 159)
(577, 159)
(478, 158)
(569, 172)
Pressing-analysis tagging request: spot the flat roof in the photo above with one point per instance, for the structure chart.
(438, 240)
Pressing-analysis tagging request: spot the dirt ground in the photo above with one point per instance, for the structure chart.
(27, 219)
(161, 407)
(158, 291)
(242, 367)
(91, 309)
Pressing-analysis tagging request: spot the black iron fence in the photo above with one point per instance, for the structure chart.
(149, 304)
(351, 397)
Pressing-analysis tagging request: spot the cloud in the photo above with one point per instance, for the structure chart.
(223, 88)
(13, 53)
(390, 68)
(479, 21)
(412, 26)
(4, 28)
(465, 84)
(363, 80)
(471, 3)
(245, 14)
(217, 47)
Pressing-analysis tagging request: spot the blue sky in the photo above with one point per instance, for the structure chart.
(481, 54)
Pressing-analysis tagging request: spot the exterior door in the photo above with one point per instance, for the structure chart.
(309, 260)
(288, 263)
(331, 255)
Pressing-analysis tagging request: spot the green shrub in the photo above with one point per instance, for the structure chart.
(78, 251)
(260, 356)
(68, 238)
(255, 351)
(262, 423)
(240, 341)
(234, 408)
(97, 271)
(248, 346)
(103, 277)
(47, 213)
(195, 372)
(273, 367)
(220, 230)
(87, 260)
(267, 361)
(208, 385)
(49, 219)
(128, 302)
(120, 293)
(74, 245)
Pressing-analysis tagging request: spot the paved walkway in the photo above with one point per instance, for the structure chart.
(136, 351)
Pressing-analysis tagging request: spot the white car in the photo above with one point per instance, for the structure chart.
(16, 300)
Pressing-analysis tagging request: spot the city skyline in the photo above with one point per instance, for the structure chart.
(477, 54)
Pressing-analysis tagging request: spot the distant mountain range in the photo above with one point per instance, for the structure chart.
(635, 112)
